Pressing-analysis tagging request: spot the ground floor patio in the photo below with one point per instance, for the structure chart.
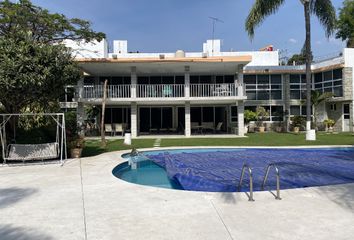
(83, 200)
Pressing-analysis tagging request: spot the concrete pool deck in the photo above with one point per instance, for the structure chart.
(83, 200)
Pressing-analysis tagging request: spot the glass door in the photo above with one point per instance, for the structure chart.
(346, 118)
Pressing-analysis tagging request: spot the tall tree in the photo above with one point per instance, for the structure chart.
(345, 23)
(322, 9)
(34, 66)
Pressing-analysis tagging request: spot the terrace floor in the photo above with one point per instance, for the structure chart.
(83, 200)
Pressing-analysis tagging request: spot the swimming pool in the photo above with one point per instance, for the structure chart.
(219, 170)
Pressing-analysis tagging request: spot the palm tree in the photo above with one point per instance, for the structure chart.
(322, 9)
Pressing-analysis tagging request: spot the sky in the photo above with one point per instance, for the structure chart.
(169, 25)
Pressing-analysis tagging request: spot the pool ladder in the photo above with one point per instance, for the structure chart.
(246, 167)
(277, 196)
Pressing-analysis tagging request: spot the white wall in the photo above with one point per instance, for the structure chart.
(212, 47)
(94, 49)
(348, 54)
(120, 46)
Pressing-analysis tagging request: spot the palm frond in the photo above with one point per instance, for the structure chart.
(326, 14)
(260, 10)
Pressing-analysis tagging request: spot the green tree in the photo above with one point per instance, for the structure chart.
(345, 23)
(34, 66)
(322, 9)
(299, 59)
(316, 99)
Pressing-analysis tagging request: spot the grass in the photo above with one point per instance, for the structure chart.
(256, 139)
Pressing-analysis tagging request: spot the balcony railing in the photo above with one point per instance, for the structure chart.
(213, 90)
(150, 91)
(160, 91)
(113, 91)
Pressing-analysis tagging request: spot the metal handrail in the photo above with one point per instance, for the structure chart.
(244, 167)
(277, 176)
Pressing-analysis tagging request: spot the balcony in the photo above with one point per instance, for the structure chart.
(161, 92)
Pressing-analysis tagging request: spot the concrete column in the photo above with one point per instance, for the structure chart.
(187, 115)
(186, 81)
(133, 79)
(80, 87)
(240, 117)
(286, 99)
(133, 120)
(80, 117)
(240, 87)
(80, 111)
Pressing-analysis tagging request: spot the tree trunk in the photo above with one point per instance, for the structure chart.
(308, 64)
(103, 139)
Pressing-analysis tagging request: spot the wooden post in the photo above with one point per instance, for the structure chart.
(103, 139)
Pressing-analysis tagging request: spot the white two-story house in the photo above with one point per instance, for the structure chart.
(193, 93)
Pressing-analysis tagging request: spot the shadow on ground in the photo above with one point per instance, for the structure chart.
(343, 195)
(10, 232)
(9, 196)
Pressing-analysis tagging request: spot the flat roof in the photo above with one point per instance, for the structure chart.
(236, 59)
(119, 66)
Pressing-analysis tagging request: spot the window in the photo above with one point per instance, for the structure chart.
(295, 110)
(229, 79)
(333, 107)
(298, 110)
(297, 86)
(330, 81)
(234, 115)
(263, 87)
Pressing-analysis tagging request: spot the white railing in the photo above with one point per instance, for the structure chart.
(213, 90)
(113, 91)
(160, 91)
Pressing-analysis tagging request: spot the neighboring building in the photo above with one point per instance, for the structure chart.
(204, 92)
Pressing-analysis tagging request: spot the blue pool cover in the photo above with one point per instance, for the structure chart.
(219, 170)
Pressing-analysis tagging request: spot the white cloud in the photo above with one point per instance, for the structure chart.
(292, 40)
(318, 42)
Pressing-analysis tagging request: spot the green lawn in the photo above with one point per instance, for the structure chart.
(256, 139)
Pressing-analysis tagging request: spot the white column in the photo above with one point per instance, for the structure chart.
(80, 111)
(133, 79)
(240, 80)
(187, 116)
(133, 120)
(80, 117)
(80, 88)
(240, 117)
(186, 81)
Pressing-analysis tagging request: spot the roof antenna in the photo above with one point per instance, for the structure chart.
(215, 20)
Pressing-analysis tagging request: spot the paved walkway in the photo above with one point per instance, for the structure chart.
(83, 200)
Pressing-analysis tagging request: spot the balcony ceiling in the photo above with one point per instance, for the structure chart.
(115, 67)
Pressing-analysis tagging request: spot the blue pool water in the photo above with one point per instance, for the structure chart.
(218, 170)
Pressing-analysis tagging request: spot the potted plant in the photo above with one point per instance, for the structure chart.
(262, 115)
(297, 123)
(329, 125)
(76, 145)
(248, 117)
(279, 124)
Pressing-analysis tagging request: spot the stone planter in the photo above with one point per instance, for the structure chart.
(330, 129)
(75, 152)
(296, 129)
(261, 129)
